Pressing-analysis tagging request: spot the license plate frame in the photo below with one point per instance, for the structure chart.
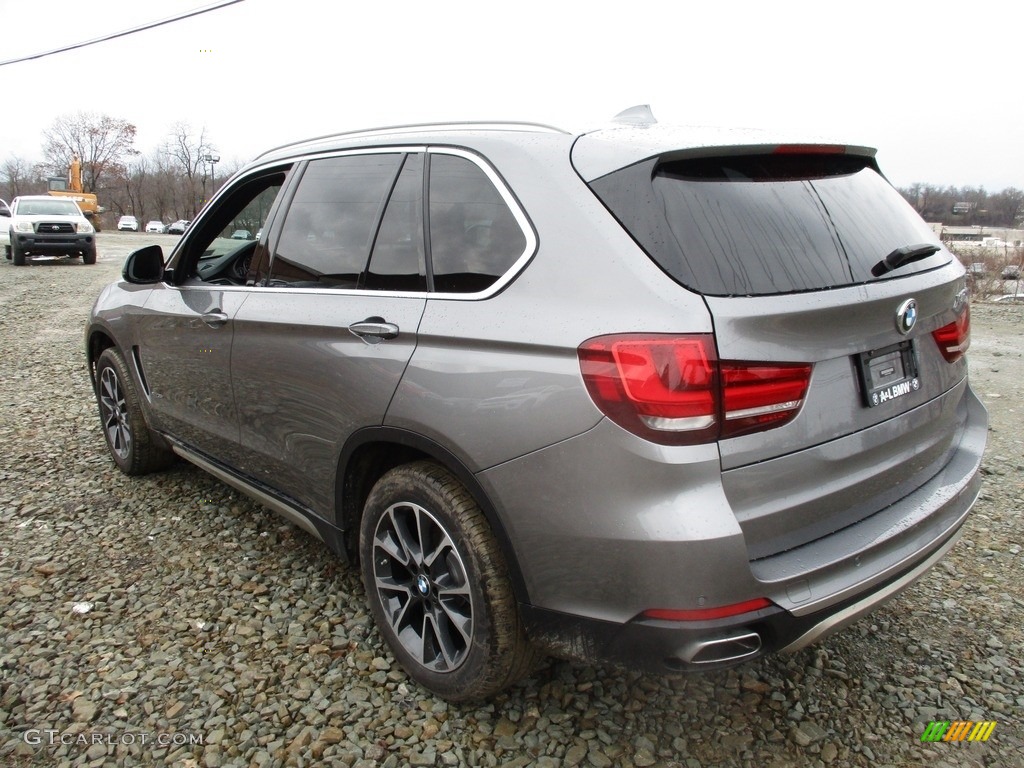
(888, 373)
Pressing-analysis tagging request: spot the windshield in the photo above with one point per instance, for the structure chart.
(767, 224)
(47, 208)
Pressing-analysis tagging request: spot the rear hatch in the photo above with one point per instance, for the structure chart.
(805, 254)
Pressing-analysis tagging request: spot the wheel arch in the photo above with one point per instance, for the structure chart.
(371, 452)
(97, 341)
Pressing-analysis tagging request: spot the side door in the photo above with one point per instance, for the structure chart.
(187, 326)
(321, 345)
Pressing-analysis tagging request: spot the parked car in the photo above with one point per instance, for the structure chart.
(1011, 272)
(241, 234)
(629, 395)
(127, 224)
(41, 225)
(156, 227)
(178, 227)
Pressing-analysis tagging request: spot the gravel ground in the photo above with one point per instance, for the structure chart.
(169, 620)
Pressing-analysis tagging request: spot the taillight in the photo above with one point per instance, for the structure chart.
(673, 389)
(659, 387)
(760, 397)
(954, 338)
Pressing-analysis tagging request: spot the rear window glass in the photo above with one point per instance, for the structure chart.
(766, 224)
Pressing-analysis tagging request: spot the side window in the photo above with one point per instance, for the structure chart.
(223, 249)
(474, 238)
(330, 224)
(397, 263)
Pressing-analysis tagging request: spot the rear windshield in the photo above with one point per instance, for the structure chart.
(757, 225)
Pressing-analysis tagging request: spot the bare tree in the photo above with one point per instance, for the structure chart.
(101, 142)
(132, 199)
(20, 178)
(188, 152)
(162, 188)
(1008, 206)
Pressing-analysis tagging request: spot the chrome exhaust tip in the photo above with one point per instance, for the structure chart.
(723, 650)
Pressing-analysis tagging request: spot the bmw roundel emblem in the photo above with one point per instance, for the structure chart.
(906, 316)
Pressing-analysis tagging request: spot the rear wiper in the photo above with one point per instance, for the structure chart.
(902, 256)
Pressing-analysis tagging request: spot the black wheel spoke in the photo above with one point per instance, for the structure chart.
(393, 545)
(435, 546)
(457, 614)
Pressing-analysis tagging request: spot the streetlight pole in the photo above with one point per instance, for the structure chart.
(212, 160)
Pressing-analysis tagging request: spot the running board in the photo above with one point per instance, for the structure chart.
(284, 510)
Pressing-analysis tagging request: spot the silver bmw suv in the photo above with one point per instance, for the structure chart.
(665, 397)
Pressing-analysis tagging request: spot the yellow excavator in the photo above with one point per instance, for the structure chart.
(71, 186)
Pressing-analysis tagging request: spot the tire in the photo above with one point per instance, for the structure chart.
(89, 257)
(17, 255)
(7, 252)
(450, 617)
(131, 444)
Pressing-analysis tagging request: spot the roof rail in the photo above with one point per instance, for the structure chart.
(417, 127)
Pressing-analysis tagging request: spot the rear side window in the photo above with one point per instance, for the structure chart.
(474, 238)
(766, 224)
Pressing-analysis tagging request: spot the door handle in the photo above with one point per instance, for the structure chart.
(215, 319)
(373, 330)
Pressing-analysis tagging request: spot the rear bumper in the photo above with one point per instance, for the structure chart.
(601, 549)
(669, 647)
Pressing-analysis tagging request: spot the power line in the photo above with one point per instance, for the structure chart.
(123, 33)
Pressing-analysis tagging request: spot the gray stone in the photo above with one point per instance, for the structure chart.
(427, 757)
(644, 757)
(83, 710)
(575, 755)
(807, 732)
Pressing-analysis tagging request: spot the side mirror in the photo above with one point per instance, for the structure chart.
(145, 265)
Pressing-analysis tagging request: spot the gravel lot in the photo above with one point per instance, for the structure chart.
(172, 621)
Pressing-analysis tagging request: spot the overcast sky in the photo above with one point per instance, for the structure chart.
(935, 86)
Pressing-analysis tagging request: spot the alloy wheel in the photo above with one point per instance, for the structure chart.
(422, 586)
(114, 412)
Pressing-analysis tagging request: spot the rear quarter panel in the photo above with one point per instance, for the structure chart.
(496, 378)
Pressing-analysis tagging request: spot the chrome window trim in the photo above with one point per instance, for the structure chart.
(285, 289)
(517, 213)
